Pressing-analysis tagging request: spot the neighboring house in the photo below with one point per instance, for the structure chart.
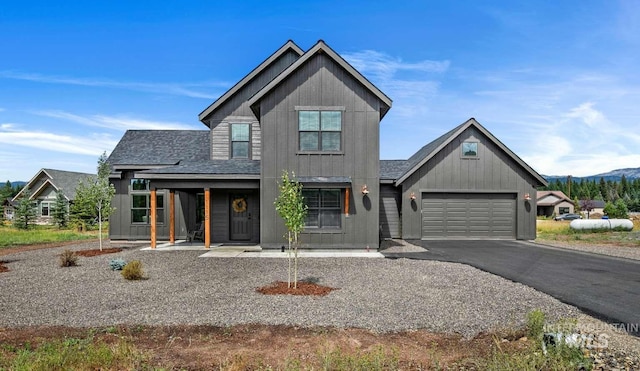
(554, 203)
(9, 208)
(44, 187)
(597, 205)
(314, 114)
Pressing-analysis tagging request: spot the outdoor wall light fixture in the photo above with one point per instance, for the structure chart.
(412, 196)
(365, 190)
(527, 197)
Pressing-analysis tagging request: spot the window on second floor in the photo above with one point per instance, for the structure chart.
(240, 138)
(320, 131)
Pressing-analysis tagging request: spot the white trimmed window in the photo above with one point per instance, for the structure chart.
(141, 203)
(240, 140)
(320, 131)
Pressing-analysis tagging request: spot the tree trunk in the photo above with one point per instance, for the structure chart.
(289, 259)
(100, 227)
(295, 261)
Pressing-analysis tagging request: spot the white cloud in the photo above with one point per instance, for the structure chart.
(382, 66)
(587, 114)
(115, 122)
(186, 90)
(411, 85)
(92, 145)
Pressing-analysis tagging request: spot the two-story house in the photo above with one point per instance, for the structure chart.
(314, 114)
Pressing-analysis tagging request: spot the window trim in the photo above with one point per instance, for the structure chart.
(147, 193)
(462, 149)
(320, 109)
(231, 141)
(340, 208)
(48, 206)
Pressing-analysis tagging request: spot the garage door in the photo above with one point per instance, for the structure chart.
(472, 215)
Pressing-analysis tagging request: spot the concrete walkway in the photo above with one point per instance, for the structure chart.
(255, 251)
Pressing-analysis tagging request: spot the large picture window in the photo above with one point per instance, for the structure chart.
(240, 135)
(141, 203)
(323, 208)
(320, 131)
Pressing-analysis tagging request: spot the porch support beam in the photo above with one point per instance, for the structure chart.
(152, 218)
(172, 217)
(346, 201)
(207, 218)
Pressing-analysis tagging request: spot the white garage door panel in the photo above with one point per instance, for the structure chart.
(448, 215)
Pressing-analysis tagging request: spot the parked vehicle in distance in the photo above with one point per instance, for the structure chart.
(567, 217)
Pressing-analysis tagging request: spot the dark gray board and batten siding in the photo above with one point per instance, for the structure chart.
(321, 82)
(491, 172)
(390, 211)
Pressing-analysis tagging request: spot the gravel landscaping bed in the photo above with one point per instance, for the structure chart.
(376, 294)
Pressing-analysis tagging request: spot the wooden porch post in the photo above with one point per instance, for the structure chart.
(172, 217)
(207, 219)
(152, 218)
(346, 201)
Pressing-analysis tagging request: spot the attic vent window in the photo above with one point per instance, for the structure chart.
(470, 149)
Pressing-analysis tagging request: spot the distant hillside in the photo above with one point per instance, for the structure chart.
(613, 175)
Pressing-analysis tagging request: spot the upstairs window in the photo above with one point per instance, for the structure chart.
(324, 208)
(240, 134)
(320, 131)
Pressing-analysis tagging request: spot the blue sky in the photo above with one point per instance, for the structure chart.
(558, 82)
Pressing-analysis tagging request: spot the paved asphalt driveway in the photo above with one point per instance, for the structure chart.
(605, 287)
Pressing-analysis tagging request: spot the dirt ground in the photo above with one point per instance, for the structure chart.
(245, 346)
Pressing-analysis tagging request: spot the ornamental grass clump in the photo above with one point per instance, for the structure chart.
(133, 270)
(68, 258)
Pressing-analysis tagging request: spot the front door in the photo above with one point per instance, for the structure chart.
(240, 223)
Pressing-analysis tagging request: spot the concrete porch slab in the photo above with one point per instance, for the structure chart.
(214, 253)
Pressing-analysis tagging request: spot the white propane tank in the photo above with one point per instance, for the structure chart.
(586, 224)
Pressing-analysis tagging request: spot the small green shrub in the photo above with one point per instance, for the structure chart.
(133, 270)
(68, 258)
(535, 323)
(117, 264)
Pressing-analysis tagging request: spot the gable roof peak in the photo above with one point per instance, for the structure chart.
(425, 153)
(321, 47)
(290, 45)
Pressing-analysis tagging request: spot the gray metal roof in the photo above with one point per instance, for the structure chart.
(392, 169)
(325, 179)
(321, 47)
(161, 147)
(227, 167)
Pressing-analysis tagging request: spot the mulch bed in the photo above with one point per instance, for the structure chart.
(304, 288)
(96, 252)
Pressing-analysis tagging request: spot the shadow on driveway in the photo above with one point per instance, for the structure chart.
(605, 287)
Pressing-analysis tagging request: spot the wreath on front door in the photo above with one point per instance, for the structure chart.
(239, 205)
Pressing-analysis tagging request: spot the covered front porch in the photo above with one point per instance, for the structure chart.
(216, 212)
